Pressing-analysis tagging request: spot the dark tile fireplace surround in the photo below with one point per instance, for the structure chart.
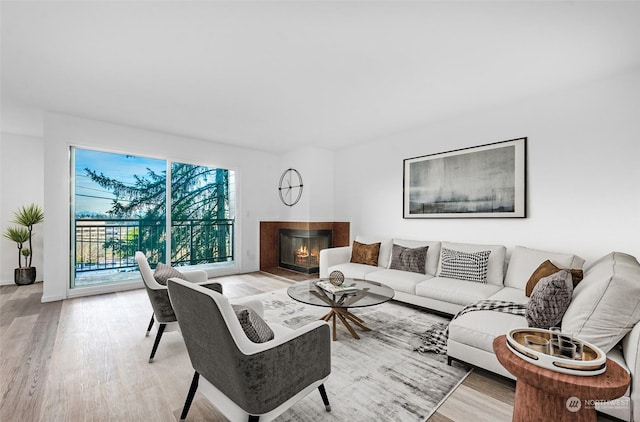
(296, 245)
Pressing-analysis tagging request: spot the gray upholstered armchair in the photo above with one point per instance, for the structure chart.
(247, 380)
(159, 297)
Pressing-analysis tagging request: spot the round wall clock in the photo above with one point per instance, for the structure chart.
(290, 187)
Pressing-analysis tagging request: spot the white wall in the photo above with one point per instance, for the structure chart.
(583, 176)
(21, 176)
(316, 169)
(256, 172)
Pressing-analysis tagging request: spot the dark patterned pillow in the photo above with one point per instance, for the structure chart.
(164, 272)
(409, 259)
(468, 266)
(365, 254)
(546, 269)
(549, 300)
(253, 326)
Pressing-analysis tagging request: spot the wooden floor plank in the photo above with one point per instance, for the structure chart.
(499, 388)
(87, 359)
(464, 405)
(27, 382)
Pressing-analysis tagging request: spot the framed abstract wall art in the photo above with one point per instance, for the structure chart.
(477, 182)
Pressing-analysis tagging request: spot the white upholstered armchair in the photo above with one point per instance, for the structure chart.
(159, 297)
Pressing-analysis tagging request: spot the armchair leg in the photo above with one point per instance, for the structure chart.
(150, 325)
(190, 395)
(325, 399)
(157, 341)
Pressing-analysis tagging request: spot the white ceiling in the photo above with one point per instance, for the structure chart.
(281, 75)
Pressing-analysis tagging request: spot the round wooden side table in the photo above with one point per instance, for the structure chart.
(546, 395)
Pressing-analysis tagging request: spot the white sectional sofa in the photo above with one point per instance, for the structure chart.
(604, 309)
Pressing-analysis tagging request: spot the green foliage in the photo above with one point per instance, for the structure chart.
(27, 216)
(17, 234)
(198, 193)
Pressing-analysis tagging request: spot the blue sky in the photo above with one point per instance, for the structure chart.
(90, 197)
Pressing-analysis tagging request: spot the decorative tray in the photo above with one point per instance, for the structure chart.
(593, 360)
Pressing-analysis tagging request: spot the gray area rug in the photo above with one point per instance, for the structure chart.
(379, 377)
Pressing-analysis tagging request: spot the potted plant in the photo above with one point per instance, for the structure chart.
(27, 217)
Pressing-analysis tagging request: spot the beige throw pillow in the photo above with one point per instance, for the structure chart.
(164, 272)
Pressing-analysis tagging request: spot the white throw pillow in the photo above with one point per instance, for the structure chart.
(495, 267)
(606, 303)
(524, 261)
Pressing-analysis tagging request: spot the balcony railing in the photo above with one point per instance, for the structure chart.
(111, 244)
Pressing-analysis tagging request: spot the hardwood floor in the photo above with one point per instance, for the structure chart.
(86, 359)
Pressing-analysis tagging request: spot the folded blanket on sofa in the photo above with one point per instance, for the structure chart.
(435, 338)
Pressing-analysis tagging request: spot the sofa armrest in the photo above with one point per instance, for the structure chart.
(333, 256)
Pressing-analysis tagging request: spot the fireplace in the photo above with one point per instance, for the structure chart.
(270, 241)
(299, 250)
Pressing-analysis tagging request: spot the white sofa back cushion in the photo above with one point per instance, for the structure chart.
(495, 267)
(386, 245)
(433, 253)
(524, 261)
(606, 303)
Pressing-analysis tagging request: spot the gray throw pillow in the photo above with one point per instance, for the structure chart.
(253, 326)
(409, 259)
(549, 300)
(164, 272)
(468, 266)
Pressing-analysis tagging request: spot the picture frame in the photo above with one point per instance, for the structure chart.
(485, 181)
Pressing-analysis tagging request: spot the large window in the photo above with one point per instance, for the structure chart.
(120, 205)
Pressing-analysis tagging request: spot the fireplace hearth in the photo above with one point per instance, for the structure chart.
(299, 250)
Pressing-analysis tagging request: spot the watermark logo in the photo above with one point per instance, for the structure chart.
(573, 404)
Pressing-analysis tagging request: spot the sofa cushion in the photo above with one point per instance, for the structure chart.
(365, 253)
(495, 267)
(464, 265)
(510, 294)
(605, 305)
(549, 300)
(400, 281)
(478, 329)
(546, 269)
(385, 248)
(433, 253)
(164, 272)
(409, 259)
(455, 291)
(524, 261)
(352, 270)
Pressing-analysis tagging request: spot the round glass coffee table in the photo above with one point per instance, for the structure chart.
(367, 293)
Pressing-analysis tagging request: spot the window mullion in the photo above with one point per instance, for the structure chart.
(168, 208)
